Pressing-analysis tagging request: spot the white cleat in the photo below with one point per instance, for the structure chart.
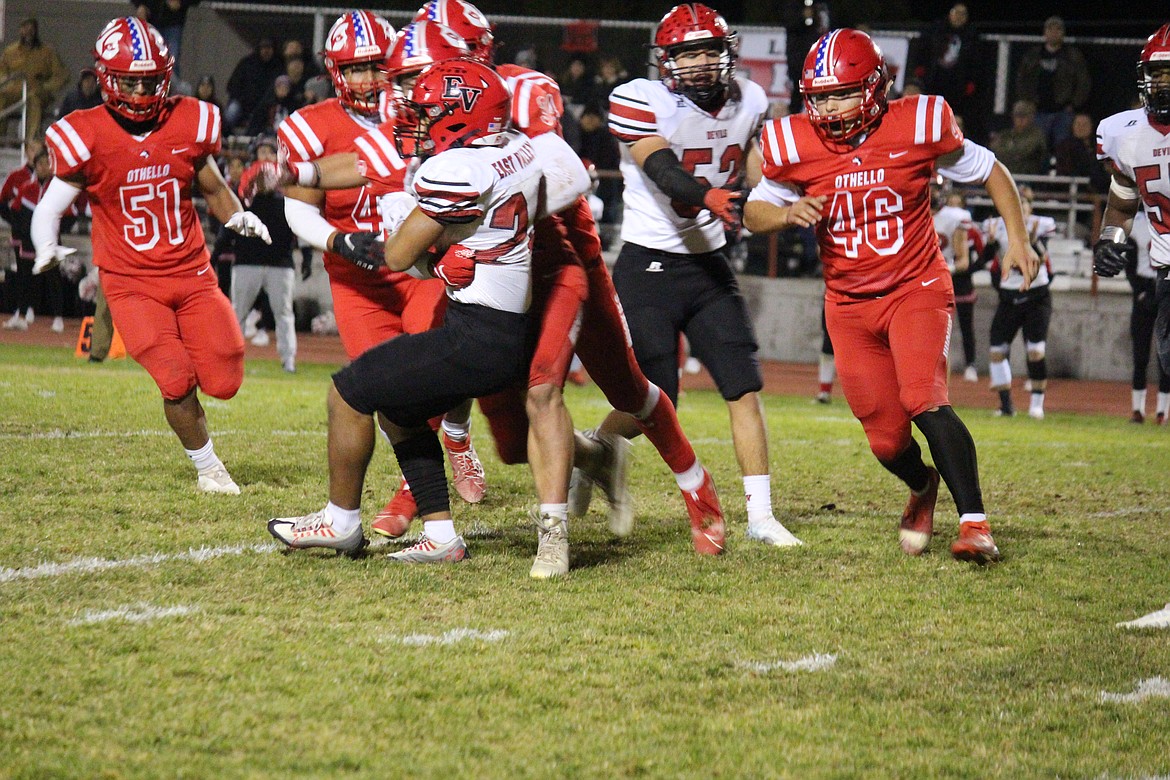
(1036, 414)
(15, 322)
(771, 531)
(552, 550)
(217, 480)
(1159, 619)
(580, 493)
(971, 375)
(58, 325)
(315, 530)
(610, 475)
(426, 551)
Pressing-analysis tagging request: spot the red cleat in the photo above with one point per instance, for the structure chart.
(395, 518)
(466, 470)
(918, 517)
(707, 528)
(975, 544)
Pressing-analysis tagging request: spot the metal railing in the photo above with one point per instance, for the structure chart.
(1067, 196)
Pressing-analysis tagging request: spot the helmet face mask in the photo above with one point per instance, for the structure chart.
(1154, 76)
(133, 68)
(355, 52)
(453, 104)
(844, 83)
(696, 52)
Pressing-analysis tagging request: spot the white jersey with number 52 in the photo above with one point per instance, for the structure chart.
(1142, 153)
(711, 147)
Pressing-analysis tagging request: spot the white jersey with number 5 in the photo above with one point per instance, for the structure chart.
(487, 198)
(1142, 153)
(711, 147)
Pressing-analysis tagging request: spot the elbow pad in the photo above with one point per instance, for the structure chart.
(665, 170)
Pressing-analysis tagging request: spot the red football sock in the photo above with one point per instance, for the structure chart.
(662, 429)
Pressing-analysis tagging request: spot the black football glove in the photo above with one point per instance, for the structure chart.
(1109, 254)
(365, 250)
(306, 263)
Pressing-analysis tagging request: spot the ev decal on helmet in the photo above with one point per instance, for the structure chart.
(454, 88)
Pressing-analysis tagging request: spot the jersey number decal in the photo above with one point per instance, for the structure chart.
(365, 211)
(880, 226)
(511, 215)
(1156, 201)
(693, 158)
(143, 229)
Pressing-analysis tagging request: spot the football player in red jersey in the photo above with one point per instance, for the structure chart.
(136, 157)
(371, 305)
(477, 191)
(858, 168)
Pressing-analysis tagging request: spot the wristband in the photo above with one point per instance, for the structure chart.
(1112, 233)
(307, 173)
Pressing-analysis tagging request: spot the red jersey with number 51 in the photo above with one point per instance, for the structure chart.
(877, 231)
(139, 187)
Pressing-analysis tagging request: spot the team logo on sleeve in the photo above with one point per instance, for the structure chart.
(455, 89)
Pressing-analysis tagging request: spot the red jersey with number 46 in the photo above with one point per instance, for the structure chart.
(877, 231)
(323, 129)
(139, 187)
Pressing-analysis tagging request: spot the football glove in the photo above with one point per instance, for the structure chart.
(456, 267)
(724, 204)
(1109, 253)
(248, 225)
(394, 207)
(363, 249)
(49, 256)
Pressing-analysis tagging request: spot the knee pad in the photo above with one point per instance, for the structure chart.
(1035, 348)
(1037, 370)
(1001, 373)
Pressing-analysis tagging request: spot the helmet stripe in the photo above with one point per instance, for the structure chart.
(358, 20)
(138, 38)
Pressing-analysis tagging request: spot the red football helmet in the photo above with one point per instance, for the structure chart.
(1154, 75)
(419, 44)
(845, 61)
(454, 103)
(465, 19)
(129, 48)
(357, 37)
(686, 28)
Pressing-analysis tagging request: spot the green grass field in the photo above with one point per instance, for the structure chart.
(149, 631)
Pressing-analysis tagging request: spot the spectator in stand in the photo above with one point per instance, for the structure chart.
(42, 69)
(9, 203)
(84, 95)
(1055, 78)
(949, 63)
(205, 91)
(1022, 147)
(812, 23)
(249, 83)
(610, 73)
(294, 69)
(1077, 155)
(277, 105)
(598, 145)
(576, 82)
(168, 17)
(318, 88)
(1143, 279)
(293, 49)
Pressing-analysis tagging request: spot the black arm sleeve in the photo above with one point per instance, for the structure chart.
(665, 170)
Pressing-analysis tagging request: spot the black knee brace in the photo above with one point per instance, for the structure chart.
(1038, 370)
(421, 460)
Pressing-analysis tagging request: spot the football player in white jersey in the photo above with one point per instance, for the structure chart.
(685, 139)
(1021, 307)
(953, 223)
(477, 191)
(1143, 279)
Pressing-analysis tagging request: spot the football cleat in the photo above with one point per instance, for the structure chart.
(16, 322)
(707, 527)
(771, 531)
(975, 544)
(918, 517)
(552, 550)
(1036, 413)
(217, 480)
(466, 470)
(1160, 418)
(971, 374)
(426, 551)
(395, 518)
(315, 530)
(823, 397)
(1137, 417)
(1159, 619)
(580, 493)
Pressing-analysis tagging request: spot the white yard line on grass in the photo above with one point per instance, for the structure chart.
(1153, 688)
(809, 663)
(89, 565)
(138, 613)
(448, 637)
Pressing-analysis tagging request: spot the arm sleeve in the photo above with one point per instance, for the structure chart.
(308, 224)
(46, 220)
(973, 166)
(665, 170)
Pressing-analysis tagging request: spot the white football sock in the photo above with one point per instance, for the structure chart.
(342, 520)
(692, 478)
(1037, 404)
(556, 511)
(1139, 400)
(440, 531)
(757, 490)
(973, 517)
(457, 431)
(1163, 402)
(204, 458)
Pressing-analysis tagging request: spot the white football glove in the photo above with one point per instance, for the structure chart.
(394, 208)
(248, 225)
(49, 256)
